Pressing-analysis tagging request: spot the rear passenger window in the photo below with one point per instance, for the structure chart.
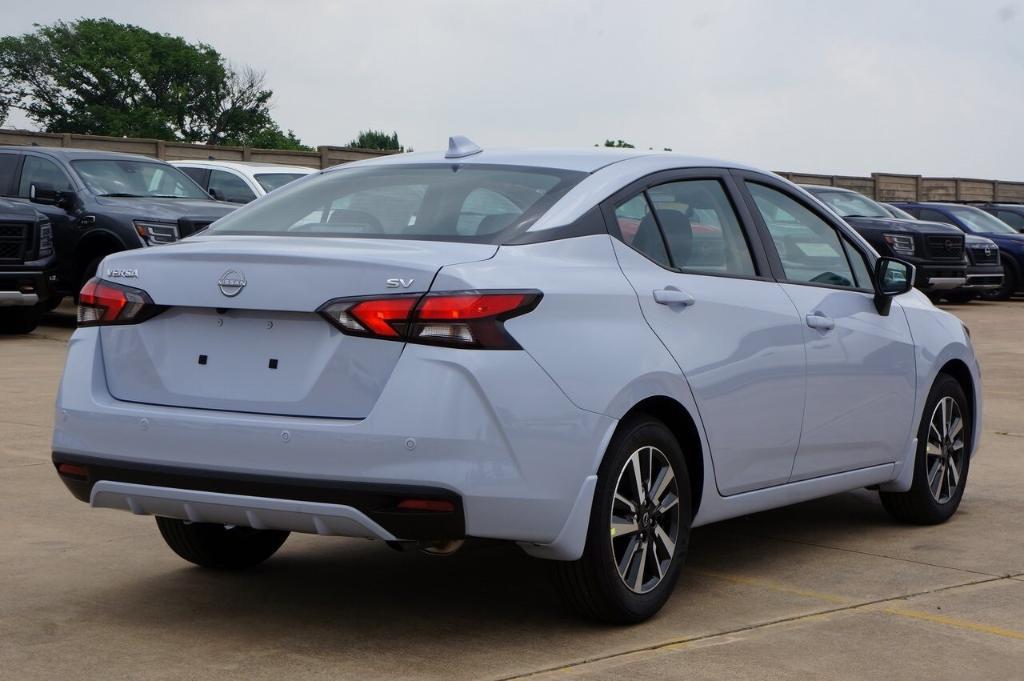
(809, 247)
(639, 229)
(701, 229)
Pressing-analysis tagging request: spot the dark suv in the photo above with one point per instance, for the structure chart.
(976, 221)
(27, 266)
(935, 249)
(1010, 213)
(100, 202)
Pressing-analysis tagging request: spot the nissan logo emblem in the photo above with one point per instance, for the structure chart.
(231, 283)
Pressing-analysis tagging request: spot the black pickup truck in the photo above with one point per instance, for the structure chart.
(28, 267)
(100, 202)
(936, 250)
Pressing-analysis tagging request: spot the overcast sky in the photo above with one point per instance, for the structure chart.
(820, 86)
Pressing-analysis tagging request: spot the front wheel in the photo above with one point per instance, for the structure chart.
(224, 547)
(943, 459)
(639, 528)
(20, 319)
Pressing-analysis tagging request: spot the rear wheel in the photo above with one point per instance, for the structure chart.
(943, 459)
(225, 547)
(639, 528)
(20, 319)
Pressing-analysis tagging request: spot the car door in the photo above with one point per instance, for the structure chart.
(37, 170)
(861, 372)
(704, 288)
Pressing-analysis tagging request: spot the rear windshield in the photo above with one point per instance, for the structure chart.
(272, 181)
(449, 202)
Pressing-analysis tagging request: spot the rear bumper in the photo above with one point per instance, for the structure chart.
(264, 502)
(20, 287)
(489, 429)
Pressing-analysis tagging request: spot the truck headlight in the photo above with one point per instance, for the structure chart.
(155, 233)
(901, 244)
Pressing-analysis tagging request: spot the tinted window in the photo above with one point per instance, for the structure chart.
(934, 216)
(272, 181)
(808, 246)
(639, 230)
(8, 164)
(40, 171)
(200, 175)
(1015, 220)
(422, 201)
(701, 228)
(108, 177)
(230, 187)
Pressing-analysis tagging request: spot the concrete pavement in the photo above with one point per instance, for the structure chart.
(827, 589)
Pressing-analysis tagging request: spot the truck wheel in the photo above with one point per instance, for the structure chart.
(220, 547)
(1009, 287)
(960, 297)
(639, 528)
(20, 319)
(943, 459)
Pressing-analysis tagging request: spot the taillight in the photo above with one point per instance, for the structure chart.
(466, 319)
(103, 303)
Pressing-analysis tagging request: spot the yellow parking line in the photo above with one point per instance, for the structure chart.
(956, 622)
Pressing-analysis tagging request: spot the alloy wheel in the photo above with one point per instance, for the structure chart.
(645, 519)
(944, 451)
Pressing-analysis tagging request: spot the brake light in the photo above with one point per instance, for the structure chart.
(467, 319)
(103, 303)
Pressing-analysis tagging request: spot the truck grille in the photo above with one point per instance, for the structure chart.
(14, 241)
(945, 247)
(982, 256)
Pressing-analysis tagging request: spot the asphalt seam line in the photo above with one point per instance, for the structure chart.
(668, 645)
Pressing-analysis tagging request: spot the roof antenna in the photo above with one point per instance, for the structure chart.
(460, 147)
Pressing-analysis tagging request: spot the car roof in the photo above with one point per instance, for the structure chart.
(581, 160)
(72, 154)
(251, 166)
(829, 188)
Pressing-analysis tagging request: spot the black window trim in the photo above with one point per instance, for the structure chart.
(729, 188)
(844, 230)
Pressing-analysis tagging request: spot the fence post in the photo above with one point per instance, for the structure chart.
(65, 139)
(161, 150)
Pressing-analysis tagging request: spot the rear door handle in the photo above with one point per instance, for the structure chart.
(673, 296)
(820, 322)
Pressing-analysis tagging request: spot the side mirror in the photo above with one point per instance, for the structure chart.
(892, 277)
(46, 195)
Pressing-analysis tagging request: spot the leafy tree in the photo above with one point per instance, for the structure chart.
(96, 76)
(619, 144)
(376, 139)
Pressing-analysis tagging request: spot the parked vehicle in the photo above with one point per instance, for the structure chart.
(984, 271)
(1010, 213)
(434, 346)
(976, 221)
(240, 181)
(100, 203)
(28, 267)
(935, 249)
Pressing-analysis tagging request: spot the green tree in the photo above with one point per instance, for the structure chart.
(376, 139)
(619, 144)
(96, 76)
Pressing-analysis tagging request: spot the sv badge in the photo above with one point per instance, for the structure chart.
(399, 283)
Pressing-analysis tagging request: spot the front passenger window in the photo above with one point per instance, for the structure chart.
(808, 246)
(41, 172)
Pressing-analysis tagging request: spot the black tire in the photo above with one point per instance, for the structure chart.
(220, 547)
(20, 319)
(592, 585)
(919, 504)
(1009, 286)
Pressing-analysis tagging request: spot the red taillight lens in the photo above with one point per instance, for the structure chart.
(435, 505)
(101, 303)
(470, 319)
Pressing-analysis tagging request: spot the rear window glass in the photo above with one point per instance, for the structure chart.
(450, 202)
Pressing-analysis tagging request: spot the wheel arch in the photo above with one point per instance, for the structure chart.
(958, 369)
(93, 245)
(684, 427)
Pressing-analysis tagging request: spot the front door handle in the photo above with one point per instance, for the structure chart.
(820, 322)
(673, 296)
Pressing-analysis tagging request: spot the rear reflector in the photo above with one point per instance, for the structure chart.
(73, 470)
(103, 303)
(467, 319)
(436, 505)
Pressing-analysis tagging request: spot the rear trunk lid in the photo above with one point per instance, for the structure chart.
(242, 333)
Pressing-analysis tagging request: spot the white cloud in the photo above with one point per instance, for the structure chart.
(846, 88)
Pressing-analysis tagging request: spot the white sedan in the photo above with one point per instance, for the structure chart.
(240, 181)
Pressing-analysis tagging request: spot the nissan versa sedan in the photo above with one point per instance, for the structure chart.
(587, 353)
